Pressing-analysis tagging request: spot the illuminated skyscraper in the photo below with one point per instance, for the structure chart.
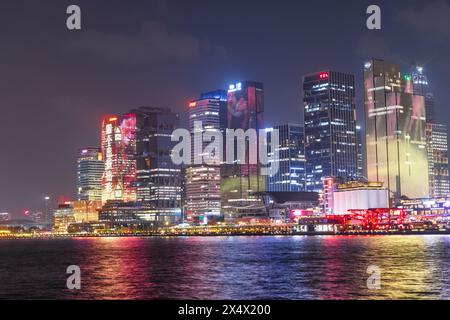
(360, 156)
(119, 152)
(89, 174)
(395, 131)
(158, 179)
(203, 180)
(330, 127)
(241, 182)
(437, 146)
(421, 87)
(291, 174)
(436, 134)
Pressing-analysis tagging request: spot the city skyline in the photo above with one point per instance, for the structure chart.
(225, 158)
(69, 104)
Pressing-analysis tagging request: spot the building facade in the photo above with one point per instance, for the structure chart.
(64, 216)
(395, 131)
(89, 174)
(203, 179)
(86, 211)
(119, 152)
(330, 127)
(437, 147)
(421, 87)
(361, 170)
(341, 197)
(437, 144)
(158, 179)
(291, 174)
(242, 182)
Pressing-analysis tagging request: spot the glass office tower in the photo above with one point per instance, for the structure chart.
(421, 86)
(89, 174)
(360, 157)
(158, 179)
(437, 145)
(203, 180)
(241, 183)
(436, 136)
(291, 174)
(395, 131)
(330, 127)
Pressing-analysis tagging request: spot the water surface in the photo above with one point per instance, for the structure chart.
(298, 267)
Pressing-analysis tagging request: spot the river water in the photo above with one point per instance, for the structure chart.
(291, 267)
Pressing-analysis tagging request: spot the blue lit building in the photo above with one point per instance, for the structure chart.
(291, 174)
(89, 174)
(330, 127)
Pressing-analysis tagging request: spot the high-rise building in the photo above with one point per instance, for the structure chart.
(291, 174)
(436, 134)
(330, 127)
(422, 87)
(202, 179)
(395, 131)
(158, 179)
(241, 183)
(437, 145)
(89, 174)
(360, 155)
(119, 154)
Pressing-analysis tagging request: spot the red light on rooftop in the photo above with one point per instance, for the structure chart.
(323, 75)
(192, 104)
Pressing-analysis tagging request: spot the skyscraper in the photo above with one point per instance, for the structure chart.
(330, 127)
(119, 152)
(437, 146)
(89, 174)
(203, 180)
(395, 130)
(421, 87)
(158, 179)
(360, 155)
(241, 182)
(291, 174)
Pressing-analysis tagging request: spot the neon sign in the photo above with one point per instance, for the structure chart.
(235, 87)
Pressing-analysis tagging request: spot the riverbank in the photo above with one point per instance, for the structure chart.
(209, 234)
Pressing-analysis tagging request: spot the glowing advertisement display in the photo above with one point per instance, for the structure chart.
(245, 106)
(118, 149)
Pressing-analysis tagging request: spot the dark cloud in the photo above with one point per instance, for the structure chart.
(431, 20)
(154, 42)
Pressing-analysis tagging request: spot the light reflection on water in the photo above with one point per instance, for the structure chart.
(329, 267)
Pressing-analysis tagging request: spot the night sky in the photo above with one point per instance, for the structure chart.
(56, 84)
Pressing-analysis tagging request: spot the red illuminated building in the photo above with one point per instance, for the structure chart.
(118, 150)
